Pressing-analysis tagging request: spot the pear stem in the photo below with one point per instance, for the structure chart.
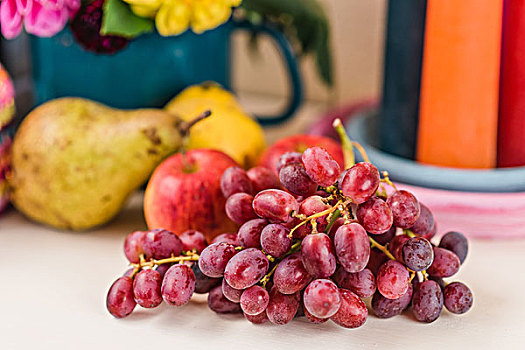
(184, 129)
(186, 126)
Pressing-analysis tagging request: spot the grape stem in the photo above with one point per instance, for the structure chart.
(412, 275)
(335, 215)
(425, 275)
(361, 151)
(187, 256)
(267, 277)
(346, 143)
(409, 233)
(317, 215)
(381, 248)
(386, 179)
(294, 248)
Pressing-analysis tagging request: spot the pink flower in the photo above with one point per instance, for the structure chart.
(43, 18)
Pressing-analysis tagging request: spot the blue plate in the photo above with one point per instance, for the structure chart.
(410, 172)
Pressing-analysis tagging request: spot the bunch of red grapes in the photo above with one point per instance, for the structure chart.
(313, 241)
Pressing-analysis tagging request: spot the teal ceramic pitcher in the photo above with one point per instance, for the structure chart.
(151, 70)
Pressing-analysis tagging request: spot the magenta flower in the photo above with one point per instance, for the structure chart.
(43, 18)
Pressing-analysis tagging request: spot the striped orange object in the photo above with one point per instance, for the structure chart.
(459, 89)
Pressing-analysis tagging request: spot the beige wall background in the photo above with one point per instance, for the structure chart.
(357, 27)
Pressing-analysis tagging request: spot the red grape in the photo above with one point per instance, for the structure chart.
(230, 238)
(396, 246)
(352, 247)
(275, 241)
(133, 246)
(352, 313)
(457, 298)
(360, 182)
(377, 258)
(129, 272)
(192, 239)
(231, 293)
(217, 302)
(146, 288)
(310, 206)
(457, 243)
(362, 283)
(405, 208)
(375, 216)
(214, 258)
(417, 254)
(289, 158)
(254, 300)
(385, 238)
(178, 285)
(282, 307)
(427, 301)
(445, 263)
(320, 166)
(335, 226)
(438, 280)
(239, 208)
(386, 308)
(321, 298)
(249, 235)
(425, 223)
(295, 179)
(318, 255)
(119, 301)
(235, 180)
(246, 268)
(275, 205)
(393, 279)
(161, 244)
(290, 276)
(432, 232)
(203, 283)
(312, 319)
(300, 308)
(263, 179)
(257, 319)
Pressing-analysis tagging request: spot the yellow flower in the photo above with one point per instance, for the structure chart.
(173, 17)
(145, 8)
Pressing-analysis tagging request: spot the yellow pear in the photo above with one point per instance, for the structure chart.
(230, 130)
(75, 162)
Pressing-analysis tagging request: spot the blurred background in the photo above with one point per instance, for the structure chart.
(259, 78)
(433, 90)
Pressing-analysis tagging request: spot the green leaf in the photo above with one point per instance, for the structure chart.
(118, 19)
(305, 22)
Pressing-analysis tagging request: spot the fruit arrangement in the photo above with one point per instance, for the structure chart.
(88, 160)
(100, 155)
(315, 241)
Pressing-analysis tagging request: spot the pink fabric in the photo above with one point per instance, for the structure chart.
(477, 215)
(43, 18)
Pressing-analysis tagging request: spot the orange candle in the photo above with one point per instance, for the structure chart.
(459, 88)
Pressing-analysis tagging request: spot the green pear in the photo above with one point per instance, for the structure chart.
(75, 162)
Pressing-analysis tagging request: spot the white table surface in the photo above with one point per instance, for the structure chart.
(53, 287)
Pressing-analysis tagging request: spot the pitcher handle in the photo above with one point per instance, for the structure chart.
(289, 56)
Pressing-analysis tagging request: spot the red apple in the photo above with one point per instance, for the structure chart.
(186, 195)
(299, 143)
